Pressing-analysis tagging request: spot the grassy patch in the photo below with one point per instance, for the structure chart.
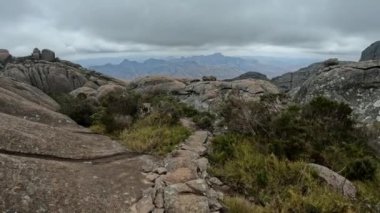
(154, 139)
(239, 205)
(275, 185)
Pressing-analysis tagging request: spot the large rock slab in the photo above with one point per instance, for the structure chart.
(27, 102)
(39, 185)
(23, 136)
(54, 77)
(356, 84)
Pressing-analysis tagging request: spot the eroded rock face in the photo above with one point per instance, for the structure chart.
(55, 77)
(356, 84)
(208, 96)
(36, 55)
(47, 55)
(293, 80)
(372, 52)
(30, 104)
(157, 83)
(204, 95)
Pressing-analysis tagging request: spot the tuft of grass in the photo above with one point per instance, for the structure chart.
(157, 133)
(98, 128)
(238, 205)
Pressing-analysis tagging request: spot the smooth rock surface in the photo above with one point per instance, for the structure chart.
(338, 182)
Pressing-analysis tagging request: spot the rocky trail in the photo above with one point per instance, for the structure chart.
(181, 184)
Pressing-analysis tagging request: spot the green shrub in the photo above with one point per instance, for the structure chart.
(204, 120)
(79, 109)
(246, 117)
(123, 103)
(360, 169)
(104, 119)
(275, 185)
(299, 132)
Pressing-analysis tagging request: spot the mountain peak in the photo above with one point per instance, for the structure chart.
(217, 54)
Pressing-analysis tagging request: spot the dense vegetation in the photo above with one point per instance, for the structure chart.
(264, 156)
(145, 123)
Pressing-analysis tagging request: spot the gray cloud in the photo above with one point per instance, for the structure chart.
(322, 27)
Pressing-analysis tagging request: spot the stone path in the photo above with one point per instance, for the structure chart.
(181, 183)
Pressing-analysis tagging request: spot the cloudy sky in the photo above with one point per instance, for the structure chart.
(91, 28)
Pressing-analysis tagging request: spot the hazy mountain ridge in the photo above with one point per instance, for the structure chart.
(219, 65)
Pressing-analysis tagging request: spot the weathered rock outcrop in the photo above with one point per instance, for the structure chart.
(29, 103)
(4, 56)
(47, 55)
(157, 84)
(356, 84)
(372, 52)
(209, 95)
(205, 95)
(293, 80)
(55, 77)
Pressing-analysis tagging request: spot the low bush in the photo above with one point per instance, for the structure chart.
(360, 169)
(204, 120)
(79, 109)
(123, 103)
(275, 185)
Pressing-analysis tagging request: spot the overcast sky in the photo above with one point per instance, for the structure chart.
(89, 28)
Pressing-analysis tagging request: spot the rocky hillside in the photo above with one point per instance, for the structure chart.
(205, 95)
(356, 84)
(372, 52)
(50, 163)
(293, 80)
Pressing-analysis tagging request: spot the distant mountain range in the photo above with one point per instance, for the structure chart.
(223, 67)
